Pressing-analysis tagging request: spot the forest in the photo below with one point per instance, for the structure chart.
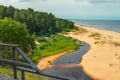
(24, 27)
(40, 23)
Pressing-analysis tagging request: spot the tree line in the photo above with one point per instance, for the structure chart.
(41, 23)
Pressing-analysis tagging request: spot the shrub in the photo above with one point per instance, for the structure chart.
(95, 34)
(82, 30)
(115, 43)
(55, 44)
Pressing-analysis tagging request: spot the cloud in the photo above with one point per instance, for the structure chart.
(100, 1)
(31, 0)
(25, 0)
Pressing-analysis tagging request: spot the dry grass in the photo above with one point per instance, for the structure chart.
(95, 35)
(100, 42)
(82, 30)
(115, 43)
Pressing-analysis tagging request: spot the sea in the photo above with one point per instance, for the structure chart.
(112, 25)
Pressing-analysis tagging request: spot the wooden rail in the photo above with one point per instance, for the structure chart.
(24, 67)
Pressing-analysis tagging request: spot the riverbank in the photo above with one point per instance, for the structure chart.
(47, 61)
(102, 61)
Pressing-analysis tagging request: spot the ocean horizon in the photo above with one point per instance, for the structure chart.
(111, 25)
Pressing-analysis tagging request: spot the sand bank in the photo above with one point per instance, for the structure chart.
(47, 61)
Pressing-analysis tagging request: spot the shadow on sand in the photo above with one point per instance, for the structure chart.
(68, 65)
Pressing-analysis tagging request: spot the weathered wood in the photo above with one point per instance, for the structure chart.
(15, 63)
(44, 74)
(27, 70)
(29, 61)
(14, 66)
(5, 77)
(23, 74)
(8, 45)
(20, 65)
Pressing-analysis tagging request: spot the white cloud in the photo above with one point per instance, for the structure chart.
(69, 8)
(100, 1)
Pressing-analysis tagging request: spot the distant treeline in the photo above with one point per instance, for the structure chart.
(41, 23)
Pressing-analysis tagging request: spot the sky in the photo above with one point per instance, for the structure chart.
(72, 9)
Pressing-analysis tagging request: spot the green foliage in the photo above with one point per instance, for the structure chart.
(14, 32)
(55, 44)
(7, 70)
(75, 28)
(16, 27)
(41, 23)
(5, 53)
(64, 25)
(41, 39)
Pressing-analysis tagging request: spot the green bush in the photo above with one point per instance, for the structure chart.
(41, 39)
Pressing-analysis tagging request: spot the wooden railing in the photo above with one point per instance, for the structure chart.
(24, 67)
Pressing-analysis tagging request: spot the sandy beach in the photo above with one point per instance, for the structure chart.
(102, 61)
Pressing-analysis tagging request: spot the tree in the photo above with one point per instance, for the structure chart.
(14, 32)
(41, 23)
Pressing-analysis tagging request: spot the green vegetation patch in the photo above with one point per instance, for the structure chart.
(53, 45)
(82, 30)
(95, 35)
(7, 70)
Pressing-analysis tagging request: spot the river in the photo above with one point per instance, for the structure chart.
(68, 65)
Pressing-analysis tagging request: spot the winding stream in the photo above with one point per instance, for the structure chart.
(68, 65)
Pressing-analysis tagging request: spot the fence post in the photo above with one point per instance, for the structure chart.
(14, 66)
(22, 75)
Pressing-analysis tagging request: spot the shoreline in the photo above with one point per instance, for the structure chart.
(101, 62)
(47, 61)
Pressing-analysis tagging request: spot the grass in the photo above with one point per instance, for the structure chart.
(115, 43)
(82, 30)
(95, 35)
(100, 42)
(53, 45)
(75, 28)
(7, 70)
